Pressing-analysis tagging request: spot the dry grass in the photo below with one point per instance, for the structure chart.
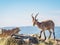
(13, 41)
(8, 41)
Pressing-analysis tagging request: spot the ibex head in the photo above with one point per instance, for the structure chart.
(34, 20)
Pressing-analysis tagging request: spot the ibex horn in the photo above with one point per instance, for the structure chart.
(36, 15)
(32, 14)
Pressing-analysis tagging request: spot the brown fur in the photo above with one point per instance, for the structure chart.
(44, 25)
(6, 33)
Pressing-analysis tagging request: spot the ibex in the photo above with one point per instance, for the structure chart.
(44, 25)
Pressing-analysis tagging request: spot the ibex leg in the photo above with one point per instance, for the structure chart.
(40, 34)
(44, 35)
(50, 34)
(54, 34)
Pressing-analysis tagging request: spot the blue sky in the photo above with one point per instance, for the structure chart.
(18, 12)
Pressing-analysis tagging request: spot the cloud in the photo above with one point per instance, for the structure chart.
(7, 22)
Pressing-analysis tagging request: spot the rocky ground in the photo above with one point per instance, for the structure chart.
(27, 40)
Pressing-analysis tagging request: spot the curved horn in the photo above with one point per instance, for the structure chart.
(32, 15)
(36, 15)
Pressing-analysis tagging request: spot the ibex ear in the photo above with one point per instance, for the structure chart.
(36, 15)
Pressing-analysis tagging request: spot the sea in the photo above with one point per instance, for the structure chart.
(35, 30)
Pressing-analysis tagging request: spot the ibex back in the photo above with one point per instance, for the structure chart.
(45, 25)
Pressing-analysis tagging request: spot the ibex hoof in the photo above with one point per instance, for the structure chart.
(39, 37)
